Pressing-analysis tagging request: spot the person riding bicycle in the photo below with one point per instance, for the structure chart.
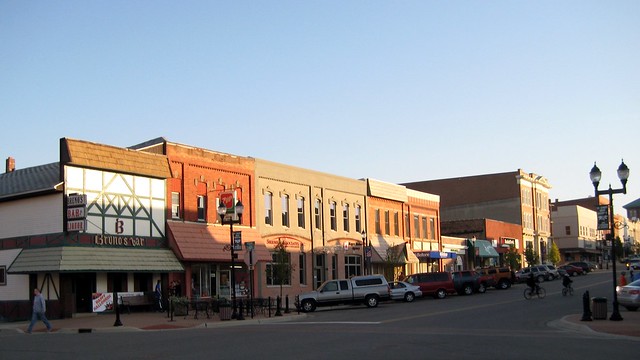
(533, 284)
(566, 281)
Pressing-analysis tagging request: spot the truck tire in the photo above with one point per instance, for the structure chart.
(503, 284)
(371, 301)
(308, 305)
(467, 289)
(483, 288)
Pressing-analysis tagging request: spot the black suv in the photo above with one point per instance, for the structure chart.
(467, 282)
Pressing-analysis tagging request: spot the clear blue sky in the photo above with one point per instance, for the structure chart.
(393, 90)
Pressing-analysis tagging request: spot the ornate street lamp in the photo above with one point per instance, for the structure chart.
(596, 175)
(228, 219)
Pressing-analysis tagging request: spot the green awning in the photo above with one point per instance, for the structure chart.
(93, 259)
(485, 249)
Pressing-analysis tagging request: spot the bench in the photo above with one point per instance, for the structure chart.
(145, 301)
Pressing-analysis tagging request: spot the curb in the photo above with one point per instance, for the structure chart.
(566, 325)
(162, 326)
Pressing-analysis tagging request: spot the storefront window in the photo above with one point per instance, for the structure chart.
(200, 283)
(352, 265)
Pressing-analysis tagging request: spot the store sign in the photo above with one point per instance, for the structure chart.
(76, 200)
(77, 225)
(76, 212)
(104, 301)
(228, 199)
(111, 240)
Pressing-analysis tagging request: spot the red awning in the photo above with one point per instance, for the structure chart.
(202, 242)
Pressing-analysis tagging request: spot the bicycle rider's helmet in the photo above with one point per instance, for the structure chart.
(567, 275)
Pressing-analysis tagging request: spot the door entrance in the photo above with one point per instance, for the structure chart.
(319, 270)
(78, 288)
(225, 284)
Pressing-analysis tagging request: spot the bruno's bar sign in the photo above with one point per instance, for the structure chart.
(119, 241)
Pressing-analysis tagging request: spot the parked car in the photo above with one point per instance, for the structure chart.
(401, 290)
(541, 273)
(629, 295)
(572, 270)
(437, 284)
(585, 265)
(503, 277)
(467, 282)
(369, 289)
(562, 272)
(553, 272)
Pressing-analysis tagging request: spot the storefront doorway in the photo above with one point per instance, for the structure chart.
(225, 284)
(79, 288)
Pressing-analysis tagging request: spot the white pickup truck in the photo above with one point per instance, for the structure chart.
(369, 289)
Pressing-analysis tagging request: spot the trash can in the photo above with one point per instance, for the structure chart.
(225, 312)
(599, 305)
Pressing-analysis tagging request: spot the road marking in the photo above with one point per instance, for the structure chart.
(330, 322)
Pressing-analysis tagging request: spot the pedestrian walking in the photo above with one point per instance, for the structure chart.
(623, 279)
(39, 310)
(158, 294)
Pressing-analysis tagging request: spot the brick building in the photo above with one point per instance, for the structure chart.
(515, 197)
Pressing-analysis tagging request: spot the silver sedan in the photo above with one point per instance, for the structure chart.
(629, 295)
(401, 290)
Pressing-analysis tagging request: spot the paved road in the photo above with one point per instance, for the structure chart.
(495, 325)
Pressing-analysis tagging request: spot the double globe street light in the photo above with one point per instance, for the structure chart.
(596, 175)
(229, 219)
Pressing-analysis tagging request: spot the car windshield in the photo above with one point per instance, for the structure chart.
(635, 283)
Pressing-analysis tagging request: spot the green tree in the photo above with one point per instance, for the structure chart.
(619, 248)
(281, 267)
(554, 254)
(393, 262)
(530, 255)
(512, 258)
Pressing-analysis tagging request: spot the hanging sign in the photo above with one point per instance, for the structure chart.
(603, 217)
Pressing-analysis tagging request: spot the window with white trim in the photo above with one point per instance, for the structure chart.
(175, 205)
(285, 210)
(268, 208)
(352, 265)
(301, 223)
(332, 215)
(202, 208)
(317, 214)
(345, 217)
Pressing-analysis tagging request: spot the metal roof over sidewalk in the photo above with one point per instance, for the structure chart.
(77, 259)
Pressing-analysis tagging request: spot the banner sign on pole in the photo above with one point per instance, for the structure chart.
(603, 217)
(237, 241)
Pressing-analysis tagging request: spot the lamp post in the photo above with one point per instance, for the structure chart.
(623, 175)
(228, 219)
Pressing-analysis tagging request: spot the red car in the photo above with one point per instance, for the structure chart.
(572, 270)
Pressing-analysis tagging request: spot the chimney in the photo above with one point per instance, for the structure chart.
(11, 164)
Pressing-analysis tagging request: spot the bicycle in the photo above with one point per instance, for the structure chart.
(567, 290)
(540, 293)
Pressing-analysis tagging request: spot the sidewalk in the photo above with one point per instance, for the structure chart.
(629, 326)
(140, 321)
